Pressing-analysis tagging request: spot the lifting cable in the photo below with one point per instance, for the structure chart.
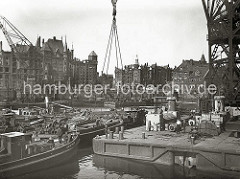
(112, 36)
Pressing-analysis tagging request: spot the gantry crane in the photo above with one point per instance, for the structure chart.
(223, 22)
(18, 44)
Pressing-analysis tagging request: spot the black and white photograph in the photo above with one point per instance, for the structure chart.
(125, 89)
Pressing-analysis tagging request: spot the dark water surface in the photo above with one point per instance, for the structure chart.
(86, 165)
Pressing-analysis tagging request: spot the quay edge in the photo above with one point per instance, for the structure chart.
(218, 154)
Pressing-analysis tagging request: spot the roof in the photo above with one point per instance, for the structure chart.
(203, 59)
(45, 47)
(187, 65)
(93, 54)
(22, 48)
(56, 46)
(13, 134)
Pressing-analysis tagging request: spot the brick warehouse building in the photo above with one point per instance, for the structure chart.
(48, 62)
(86, 70)
(12, 78)
(143, 74)
(190, 73)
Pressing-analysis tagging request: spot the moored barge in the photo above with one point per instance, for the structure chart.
(21, 154)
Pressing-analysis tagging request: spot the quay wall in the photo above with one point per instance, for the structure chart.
(204, 157)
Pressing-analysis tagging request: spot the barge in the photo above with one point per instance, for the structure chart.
(22, 154)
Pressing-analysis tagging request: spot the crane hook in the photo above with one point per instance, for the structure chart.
(114, 2)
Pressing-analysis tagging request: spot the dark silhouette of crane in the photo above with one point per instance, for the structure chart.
(223, 22)
(19, 44)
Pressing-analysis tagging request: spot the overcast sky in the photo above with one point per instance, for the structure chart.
(158, 31)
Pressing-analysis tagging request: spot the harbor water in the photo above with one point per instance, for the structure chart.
(87, 165)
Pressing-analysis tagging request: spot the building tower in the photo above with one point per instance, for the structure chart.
(223, 22)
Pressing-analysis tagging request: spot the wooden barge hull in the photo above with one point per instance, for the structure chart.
(40, 161)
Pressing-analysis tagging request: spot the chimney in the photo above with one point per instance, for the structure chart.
(72, 51)
(0, 46)
(43, 42)
(191, 61)
(136, 60)
(54, 38)
(38, 44)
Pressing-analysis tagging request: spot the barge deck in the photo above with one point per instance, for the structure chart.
(219, 153)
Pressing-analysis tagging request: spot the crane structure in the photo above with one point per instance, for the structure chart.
(113, 36)
(19, 44)
(223, 23)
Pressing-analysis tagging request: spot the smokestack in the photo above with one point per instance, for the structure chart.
(136, 60)
(72, 51)
(0, 45)
(38, 44)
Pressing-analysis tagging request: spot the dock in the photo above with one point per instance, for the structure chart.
(214, 154)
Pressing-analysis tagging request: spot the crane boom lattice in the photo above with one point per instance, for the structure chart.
(19, 45)
(16, 40)
(223, 22)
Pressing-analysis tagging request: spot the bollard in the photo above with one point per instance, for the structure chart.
(162, 121)
(149, 126)
(122, 129)
(143, 135)
(120, 135)
(192, 140)
(171, 103)
(117, 130)
(237, 134)
(106, 131)
(110, 134)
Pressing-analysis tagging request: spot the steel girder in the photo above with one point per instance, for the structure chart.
(223, 22)
(19, 45)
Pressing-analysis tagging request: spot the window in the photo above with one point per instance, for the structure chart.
(1, 69)
(14, 70)
(7, 61)
(197, 73)
(15, 64)
(6, 69)
(190, 72)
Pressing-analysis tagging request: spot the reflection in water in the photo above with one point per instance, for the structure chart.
(153, 171)
(86, 165)
(140, 169)
(62, 171)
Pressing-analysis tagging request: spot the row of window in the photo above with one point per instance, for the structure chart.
(4, 69)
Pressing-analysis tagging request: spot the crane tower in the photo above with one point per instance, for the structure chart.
(223, 22)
